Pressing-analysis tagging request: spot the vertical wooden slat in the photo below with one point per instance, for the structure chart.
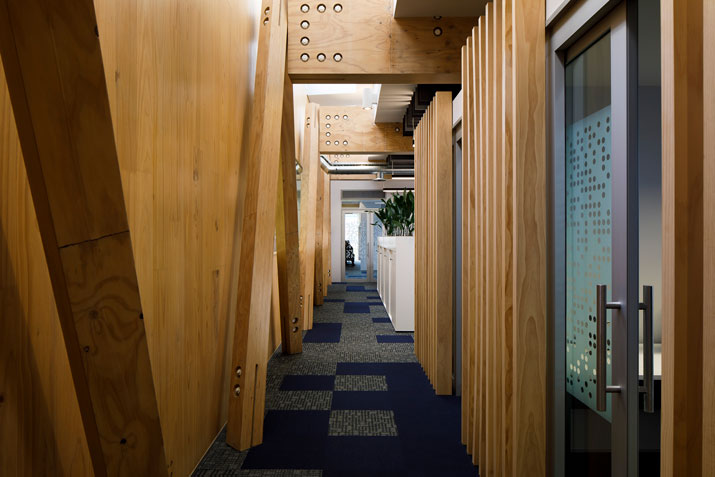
(308, 197)
(488, 290)
(55, 76)
(497, 237)
(508, 227)
(481, 270)
(682, 308)
(466, 319)
(708, 240)
(474, 110)
(529, 239)
(287, 234)
(246, 406)
(444, 245)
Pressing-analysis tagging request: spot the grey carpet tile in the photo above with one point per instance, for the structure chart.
(299, 401)
(349, 382)
(362, 423)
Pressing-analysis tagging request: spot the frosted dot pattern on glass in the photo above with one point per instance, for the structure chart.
(588, 249)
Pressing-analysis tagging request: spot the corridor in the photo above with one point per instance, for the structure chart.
(355, 403)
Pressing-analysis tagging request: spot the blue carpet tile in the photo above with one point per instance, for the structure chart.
(356, 402)
(353, 307)
(324, 333)
(395, 339)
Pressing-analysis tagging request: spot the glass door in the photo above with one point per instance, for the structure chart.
(358, 246)
(598, 307)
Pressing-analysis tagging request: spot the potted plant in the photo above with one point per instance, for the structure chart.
(397, 217)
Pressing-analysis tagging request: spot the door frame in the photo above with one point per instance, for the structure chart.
(573, 26)
(356, 210)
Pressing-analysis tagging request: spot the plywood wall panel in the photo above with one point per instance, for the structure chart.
(40, 426)
(178, 76)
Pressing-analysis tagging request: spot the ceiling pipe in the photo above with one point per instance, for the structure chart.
(344, 168)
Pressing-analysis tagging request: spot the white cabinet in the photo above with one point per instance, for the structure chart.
(396, 280)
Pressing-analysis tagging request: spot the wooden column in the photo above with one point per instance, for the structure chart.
(287, 233)
(319, 210)
(55, 77)
(327, 274)
(682, 311)
(308, 201)
(248, 364)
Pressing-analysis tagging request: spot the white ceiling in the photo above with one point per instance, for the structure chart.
(392, 102)
(443, 8)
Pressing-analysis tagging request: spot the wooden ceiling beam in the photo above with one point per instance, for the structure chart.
(55, 76)
(352, 130)
(362, 42)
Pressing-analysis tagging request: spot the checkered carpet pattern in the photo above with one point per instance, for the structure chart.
(355, 403)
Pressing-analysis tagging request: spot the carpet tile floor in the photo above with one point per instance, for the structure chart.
(355, 403)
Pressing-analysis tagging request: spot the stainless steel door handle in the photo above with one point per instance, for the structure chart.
(648, 379)
(601, 386)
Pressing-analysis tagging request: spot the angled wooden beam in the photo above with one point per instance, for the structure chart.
(308, 196)
(259, 197)
(352, 130)
(55, 76)
(287, 233)
(319, 229)
(362, 42)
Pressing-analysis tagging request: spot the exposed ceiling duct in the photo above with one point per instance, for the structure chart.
(357, 168)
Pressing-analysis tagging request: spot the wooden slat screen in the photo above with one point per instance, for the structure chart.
(433, 242)
(503, 246)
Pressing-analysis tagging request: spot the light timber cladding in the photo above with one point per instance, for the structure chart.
(433, 248)
(352, 130)
(259, 197)
(55, 78)
(355, 41)
(503, 198)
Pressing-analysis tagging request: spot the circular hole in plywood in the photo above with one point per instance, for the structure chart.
(437, 31)
(321, 57)
(321, 8)
(338, 57)
(305, 24)
(338, 8)
(305, 41)
(304, 57)
(305, 8)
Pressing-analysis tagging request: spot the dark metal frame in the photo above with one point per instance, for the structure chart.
(573, 22)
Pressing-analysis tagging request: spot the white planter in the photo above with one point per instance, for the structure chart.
(396, 280)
